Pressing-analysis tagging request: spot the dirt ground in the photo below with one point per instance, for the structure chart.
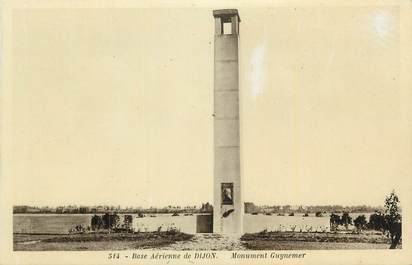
(181, 241)
(208, 242)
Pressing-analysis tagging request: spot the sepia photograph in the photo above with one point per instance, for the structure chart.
(200, 131)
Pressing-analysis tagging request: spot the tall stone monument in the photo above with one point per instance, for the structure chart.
(228, 204)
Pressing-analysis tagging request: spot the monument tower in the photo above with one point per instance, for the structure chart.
(228, 204)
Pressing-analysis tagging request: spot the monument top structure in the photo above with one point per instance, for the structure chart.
(226, 14)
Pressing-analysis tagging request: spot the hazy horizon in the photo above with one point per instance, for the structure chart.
(197, 205)
(191, 205)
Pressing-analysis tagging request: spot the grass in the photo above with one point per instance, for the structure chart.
(314, 240)
(151, 240)
(97, 241)
(301, 245)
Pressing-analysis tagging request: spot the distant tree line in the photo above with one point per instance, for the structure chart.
(72, 209)
(250, 208)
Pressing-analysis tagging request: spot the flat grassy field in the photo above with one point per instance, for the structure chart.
(313, 241)
(96, 241)
(182, 241)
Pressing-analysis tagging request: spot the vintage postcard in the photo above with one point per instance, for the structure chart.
(218, 132)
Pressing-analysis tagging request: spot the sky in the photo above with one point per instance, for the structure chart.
(114, 106)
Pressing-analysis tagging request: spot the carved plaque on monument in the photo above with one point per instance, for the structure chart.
(227, 193)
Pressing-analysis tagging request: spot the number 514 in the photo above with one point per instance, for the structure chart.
(114, 256)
